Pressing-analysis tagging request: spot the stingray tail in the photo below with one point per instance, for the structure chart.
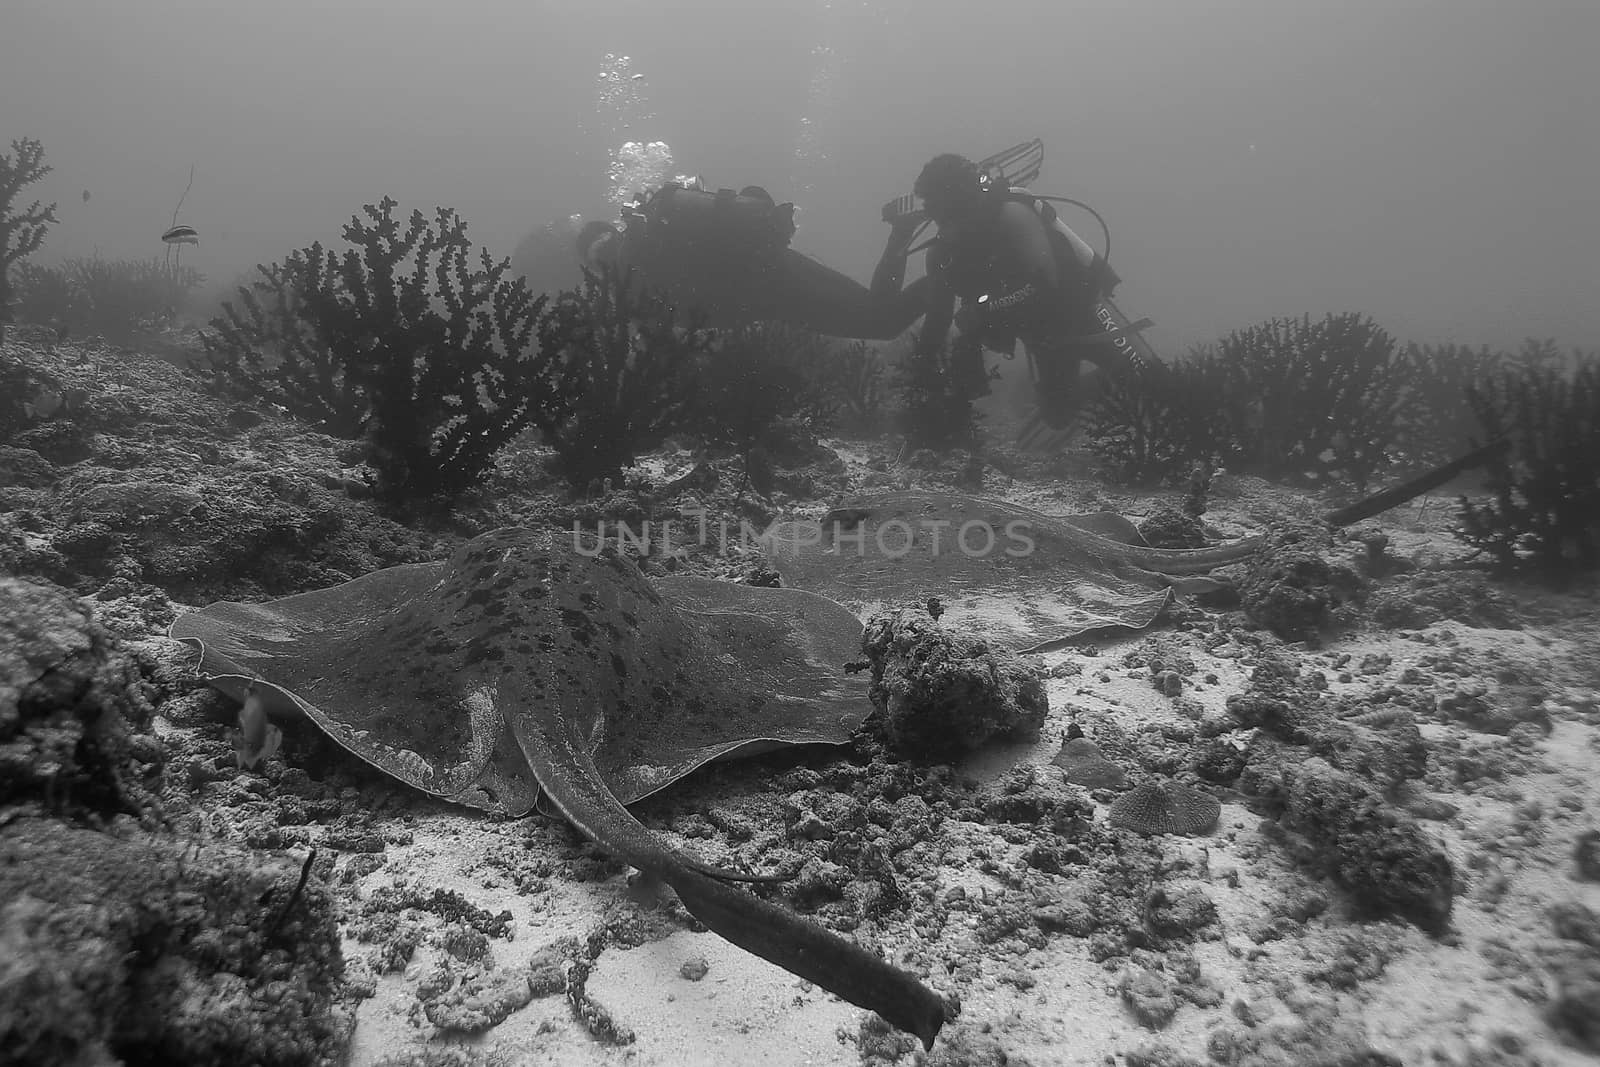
(805, 949)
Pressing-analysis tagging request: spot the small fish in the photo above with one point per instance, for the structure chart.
(181, 235)
(256, 739)
(86, 196)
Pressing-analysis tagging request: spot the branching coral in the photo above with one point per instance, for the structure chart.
(1157, 427)
(401, 340)
(749, 381)
(1314, 399)
(119, 298)
(849, 376)
(1289, 398)
(628, 370)
(1439, 421)
(1545, 495)
(935, 412)
(21, 232)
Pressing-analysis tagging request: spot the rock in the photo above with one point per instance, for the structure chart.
(74, 727)
(151, 949)
(942, 691)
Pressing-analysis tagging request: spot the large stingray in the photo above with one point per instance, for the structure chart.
(1025, 578)
(523, 670)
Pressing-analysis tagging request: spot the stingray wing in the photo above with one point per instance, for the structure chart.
(1026, 578)
(425, 671)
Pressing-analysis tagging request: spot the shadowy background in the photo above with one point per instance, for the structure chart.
(1430, 163)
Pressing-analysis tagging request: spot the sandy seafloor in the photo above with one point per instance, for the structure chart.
(1450, 1000)
(1287, 947)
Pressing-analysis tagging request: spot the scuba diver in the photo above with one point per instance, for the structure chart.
(726, 255)
(1019, 273)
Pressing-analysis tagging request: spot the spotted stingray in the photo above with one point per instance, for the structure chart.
(1027, 579)
(522, 671)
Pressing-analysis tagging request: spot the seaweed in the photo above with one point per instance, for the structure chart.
(21, 232)
(1543, 507)
(627, 370)
(400, 341)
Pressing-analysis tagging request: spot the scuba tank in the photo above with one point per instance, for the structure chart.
(1116, 330)
(682, 216)
(1103, 281)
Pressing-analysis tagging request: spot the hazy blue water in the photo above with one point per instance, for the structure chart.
(1433, 164)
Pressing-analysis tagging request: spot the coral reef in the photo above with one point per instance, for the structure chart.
(121, 943)
(21, 232)
(1544, 507)
(752, 377)
(1155, 427)
(1439, 423)
(934, 410)
(149, 949)
(1289, 398)
(121, 299)
(1381, 856)
(74, 729)
(942, 692)
(1293, 590)
(849, 378)
(357, 344)
(628, 372)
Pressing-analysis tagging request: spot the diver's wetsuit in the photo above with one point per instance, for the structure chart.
(732, 281)
(1017, 282)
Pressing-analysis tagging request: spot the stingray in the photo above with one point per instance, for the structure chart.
(522, 672)
(1026, 579)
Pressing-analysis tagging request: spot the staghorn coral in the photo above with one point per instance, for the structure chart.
(1313, 399)
(629, 371)
(1439, 423)
(1289, 398)
(21, 232)
(751, 378)
(935, 411)
(1165, 808)
(122, 299)
(399, 340)
(1544, 507)
(849, 377)
(1157, 427)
